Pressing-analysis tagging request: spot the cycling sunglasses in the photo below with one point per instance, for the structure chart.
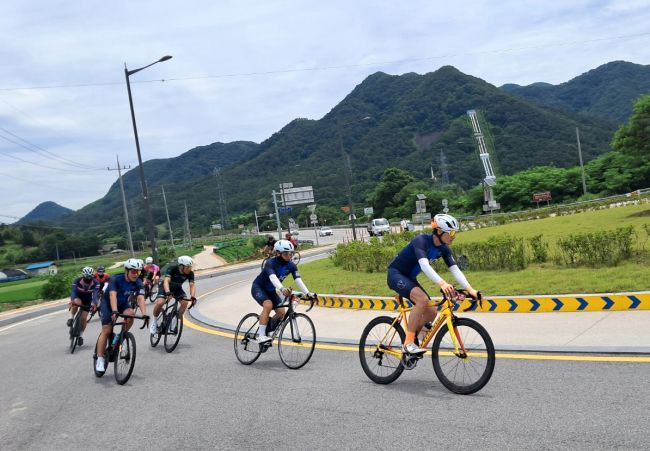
(452, 233)
(287, 253)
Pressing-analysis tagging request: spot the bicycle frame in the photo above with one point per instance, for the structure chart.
(445, 316)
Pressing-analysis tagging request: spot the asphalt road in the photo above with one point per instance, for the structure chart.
(201, 397)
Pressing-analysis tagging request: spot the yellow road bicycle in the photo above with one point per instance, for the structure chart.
(462, 351)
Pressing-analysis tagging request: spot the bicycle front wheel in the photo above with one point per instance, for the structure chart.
(154, 339)
(297, 341)
(247, 349)
(469, 371)
(75, 331)
(125, 358)
(173, 332)
(380, 350)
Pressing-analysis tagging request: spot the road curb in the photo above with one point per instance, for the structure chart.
(615, 350)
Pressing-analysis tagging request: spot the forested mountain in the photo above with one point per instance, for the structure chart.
(607, 91)
(401, 121)
(46, 211)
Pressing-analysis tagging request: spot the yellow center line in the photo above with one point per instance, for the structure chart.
(348, 348)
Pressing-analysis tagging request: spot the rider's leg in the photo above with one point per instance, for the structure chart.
(129, 322)
(420, 314)
(184, 303)
(158, 306)
(275, 320)
(267, 306)
(84, 320)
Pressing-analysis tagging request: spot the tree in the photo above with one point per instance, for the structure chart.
(392, 182)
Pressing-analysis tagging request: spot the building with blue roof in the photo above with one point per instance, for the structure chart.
(42, 269)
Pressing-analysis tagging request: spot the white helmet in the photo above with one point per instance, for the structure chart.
(133, 263)
(185, 260)
(444, 222)
(283, 246)
(87, 272)
(148, 260)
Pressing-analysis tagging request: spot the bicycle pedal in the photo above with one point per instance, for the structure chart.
(409, 362)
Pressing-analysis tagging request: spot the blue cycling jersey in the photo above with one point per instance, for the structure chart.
(86, 290)
(421, 246)
(278, 266)
(123, 288)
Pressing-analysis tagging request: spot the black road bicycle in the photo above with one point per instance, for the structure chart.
(295, 335)
(76, 326)
(120, 349)
(170, 323)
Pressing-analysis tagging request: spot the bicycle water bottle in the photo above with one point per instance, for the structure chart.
(424, 331)
(115, 338)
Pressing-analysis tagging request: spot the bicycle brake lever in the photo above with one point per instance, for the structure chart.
(311, 304)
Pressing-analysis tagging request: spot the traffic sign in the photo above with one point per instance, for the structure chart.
(352, 217)
(313, 217)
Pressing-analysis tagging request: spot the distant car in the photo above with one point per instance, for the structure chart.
(378, 227)
(409, 226)
(325, 231)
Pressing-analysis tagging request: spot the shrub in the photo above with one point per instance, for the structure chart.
(58, 286)
(594, 249)
(538, 248)
(497, 252)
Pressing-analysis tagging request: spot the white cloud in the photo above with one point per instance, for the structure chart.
(60, 42)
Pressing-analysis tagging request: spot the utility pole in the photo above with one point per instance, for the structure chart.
(187, 226)
(222, 201)
(57, 251)
(169, 224)
(582, 168)
(443, 168)
(257, 224)
(126, 211)
(277, 215)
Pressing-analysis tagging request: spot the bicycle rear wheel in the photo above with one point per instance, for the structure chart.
(467, 373)
(296, 341)
(153, 292)
(247, 349)
(154, 339)
(125, 358)
(173, 331)
(380, 350)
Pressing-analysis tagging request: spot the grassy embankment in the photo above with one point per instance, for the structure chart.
(546, 278)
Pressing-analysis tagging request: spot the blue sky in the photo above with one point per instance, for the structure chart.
(241, 70)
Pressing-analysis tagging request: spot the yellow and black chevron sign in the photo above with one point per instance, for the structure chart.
(508, 304)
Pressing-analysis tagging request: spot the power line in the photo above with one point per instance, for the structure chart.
(338, 67)
(47, 153)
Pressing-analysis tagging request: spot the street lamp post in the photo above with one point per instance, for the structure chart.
(145, 192)
(348, 173)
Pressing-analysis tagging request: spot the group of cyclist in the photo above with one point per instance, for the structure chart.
(98, 291)
(267, 289)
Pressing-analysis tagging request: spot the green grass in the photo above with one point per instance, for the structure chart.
(560, 226)
(633, 275)
(22, 290)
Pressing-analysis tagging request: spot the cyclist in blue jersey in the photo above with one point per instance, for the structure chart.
(116, 300)
(84, 292)
(413, 259)
(267, 286)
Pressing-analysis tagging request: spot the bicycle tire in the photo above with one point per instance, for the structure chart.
(247, 349)
(125, 358)
(153, 292)
(154, 339)
(296, 257)
(173, 334)
(372, 357)
(480, 350)
(74, 332)
(296, 341)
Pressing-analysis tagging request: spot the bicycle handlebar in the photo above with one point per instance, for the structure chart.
(462, 294)
(301, 296)
(145, 318)
(192, 300)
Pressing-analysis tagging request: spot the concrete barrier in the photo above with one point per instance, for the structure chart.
(507, 304)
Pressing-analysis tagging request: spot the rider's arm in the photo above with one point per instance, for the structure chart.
(192, 289)
(276, 282)
(302, 285)
(140, 300)
(166, 284)
(460, 277)
(73, 292)
(429, 271)
(112, 295)
(96, 294)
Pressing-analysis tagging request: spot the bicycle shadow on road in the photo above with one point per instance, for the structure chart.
(426, 387)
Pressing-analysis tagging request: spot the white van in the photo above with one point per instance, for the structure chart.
(378, 227)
